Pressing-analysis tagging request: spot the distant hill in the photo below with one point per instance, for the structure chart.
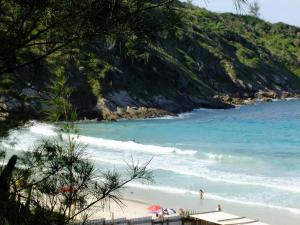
(206, 60)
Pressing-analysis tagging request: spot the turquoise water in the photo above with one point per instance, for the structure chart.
(249, 155)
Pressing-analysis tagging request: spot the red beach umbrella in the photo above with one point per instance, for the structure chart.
(66, 189)
(155, 208)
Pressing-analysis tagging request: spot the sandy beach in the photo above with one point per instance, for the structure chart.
(137, 200)
(132, 209)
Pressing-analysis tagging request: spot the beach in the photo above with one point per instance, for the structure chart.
(132, 208)
(246, 159)
(137, 200)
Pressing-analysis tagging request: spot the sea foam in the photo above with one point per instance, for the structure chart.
(184, 162)
(133, 146)
(201, 169)
(49, 130)
(180, 165)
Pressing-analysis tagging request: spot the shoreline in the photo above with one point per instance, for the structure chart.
(219, 102)
(137, 200)
(235, 102)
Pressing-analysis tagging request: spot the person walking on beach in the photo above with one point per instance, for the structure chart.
(219, 208)
(201, 192)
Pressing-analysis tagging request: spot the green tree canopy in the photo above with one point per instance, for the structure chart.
(30, 30)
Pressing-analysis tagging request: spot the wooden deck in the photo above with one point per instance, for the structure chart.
(201, 218)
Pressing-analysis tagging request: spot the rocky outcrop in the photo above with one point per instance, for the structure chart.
(117, 108)
(134, 113)
(263, 96)
(120, 105)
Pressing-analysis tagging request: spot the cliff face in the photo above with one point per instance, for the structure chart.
(206, 60)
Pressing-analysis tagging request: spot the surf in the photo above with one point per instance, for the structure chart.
(209, 196)
(42, 130)
(217, 176)
(25, 138)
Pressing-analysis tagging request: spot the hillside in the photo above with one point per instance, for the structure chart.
(205, 60)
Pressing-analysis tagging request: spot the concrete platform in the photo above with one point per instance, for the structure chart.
(222, 218)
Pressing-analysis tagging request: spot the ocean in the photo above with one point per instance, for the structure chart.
(247, 155)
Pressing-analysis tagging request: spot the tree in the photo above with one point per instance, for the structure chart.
(32, 33)
(32, 30)
(190, 2)
(239, 4)
(55, 183)
(56, 180)
(254, 9)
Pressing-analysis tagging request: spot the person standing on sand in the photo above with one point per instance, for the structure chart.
(201, 193)
(181, 212)
(219, 208)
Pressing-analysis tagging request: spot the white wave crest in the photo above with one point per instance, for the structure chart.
(240, 179)
(43, 129)
(227, 157)
(179, 116)
(200, 168)
(49, 130)
(218, 157)
(133, 146)
(163, 118)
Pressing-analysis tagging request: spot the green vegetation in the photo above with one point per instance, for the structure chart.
(55, 183)
(64, 54)
(180, 52)
(207, 54)
(37, 37)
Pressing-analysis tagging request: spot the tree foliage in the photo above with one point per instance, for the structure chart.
(55, 183)
(32, 29)
(33, 32)
(254, 9)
